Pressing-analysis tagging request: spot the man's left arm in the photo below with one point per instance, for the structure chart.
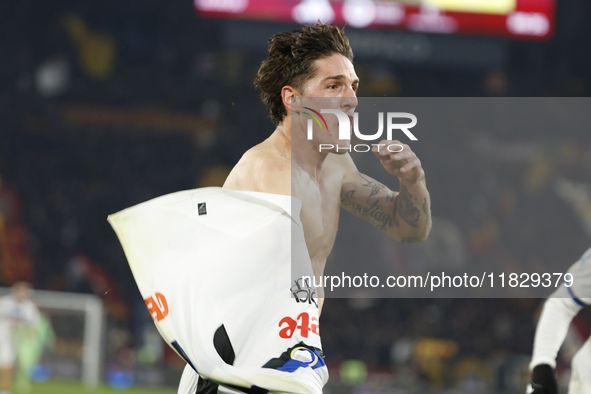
(403, 215)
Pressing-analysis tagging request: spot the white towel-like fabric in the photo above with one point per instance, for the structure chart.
(215, 267)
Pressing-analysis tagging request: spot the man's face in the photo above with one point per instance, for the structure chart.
(333, 86)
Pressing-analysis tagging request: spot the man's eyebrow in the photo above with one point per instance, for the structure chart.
(339, 77)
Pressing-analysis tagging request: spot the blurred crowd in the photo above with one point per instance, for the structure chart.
(108, 104)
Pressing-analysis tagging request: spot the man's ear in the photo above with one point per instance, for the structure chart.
(291, 99)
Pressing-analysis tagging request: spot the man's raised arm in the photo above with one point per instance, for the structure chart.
(404, 215)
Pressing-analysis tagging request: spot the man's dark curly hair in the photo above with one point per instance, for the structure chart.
(291, 55)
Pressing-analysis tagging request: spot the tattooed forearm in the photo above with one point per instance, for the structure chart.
(406, 209)
(403, 217)
(372, 211)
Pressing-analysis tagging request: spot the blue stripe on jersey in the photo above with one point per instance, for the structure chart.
(182, 353)
(575, 299)
(292, 365)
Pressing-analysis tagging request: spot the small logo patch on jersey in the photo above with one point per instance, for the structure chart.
(303, 291)
(158, 306)
(202, 208)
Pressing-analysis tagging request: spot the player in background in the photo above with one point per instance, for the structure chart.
(30, 343)
(558, 312)
(17, 312)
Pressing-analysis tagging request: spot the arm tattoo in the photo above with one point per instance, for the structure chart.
(406, 209)
(372, 211)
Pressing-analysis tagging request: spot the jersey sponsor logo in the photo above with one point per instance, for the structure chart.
(158, 306)
(303, 292)
(303, 323)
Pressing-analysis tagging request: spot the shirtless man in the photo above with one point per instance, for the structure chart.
(316, 61)
(308, 68)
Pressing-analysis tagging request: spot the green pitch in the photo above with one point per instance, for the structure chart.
(65, 387)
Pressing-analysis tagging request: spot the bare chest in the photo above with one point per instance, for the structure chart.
(320, 219)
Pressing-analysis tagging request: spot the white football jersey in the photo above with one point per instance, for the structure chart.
(12, 315)
(580, 290)
(221, 272)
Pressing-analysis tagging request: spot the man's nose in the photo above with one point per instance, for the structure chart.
(349, 101)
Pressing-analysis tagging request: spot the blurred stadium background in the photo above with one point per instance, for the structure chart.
(107, 104)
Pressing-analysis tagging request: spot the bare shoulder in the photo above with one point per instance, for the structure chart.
(341, 164)
(262, 169)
